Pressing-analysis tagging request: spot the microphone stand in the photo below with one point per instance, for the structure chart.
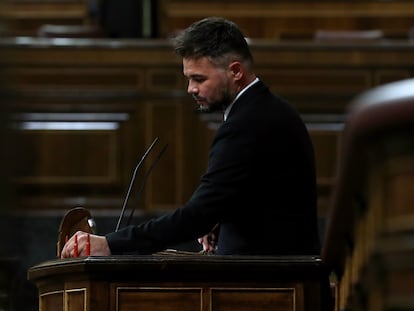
(131, 183)
(158, 157)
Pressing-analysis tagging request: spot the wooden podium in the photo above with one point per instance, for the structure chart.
(181, 282)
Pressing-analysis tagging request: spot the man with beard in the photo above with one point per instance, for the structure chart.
(258, 194)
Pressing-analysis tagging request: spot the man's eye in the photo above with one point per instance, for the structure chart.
(197, 79)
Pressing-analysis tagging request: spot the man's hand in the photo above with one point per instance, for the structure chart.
(209, 246)
(97, 244)
(209, 241)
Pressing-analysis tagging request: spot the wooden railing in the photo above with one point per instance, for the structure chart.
(371, 221)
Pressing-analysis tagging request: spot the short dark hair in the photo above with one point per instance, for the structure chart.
(217, 38)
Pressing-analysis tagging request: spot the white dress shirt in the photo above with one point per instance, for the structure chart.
(227, 111)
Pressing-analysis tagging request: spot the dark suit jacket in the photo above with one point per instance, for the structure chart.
(259, 186)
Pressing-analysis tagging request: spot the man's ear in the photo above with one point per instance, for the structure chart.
(236, 70)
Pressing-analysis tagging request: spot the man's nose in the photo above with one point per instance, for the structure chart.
(192, 89)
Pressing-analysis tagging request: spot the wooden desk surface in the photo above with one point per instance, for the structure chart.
(181, 282)
(197, 266)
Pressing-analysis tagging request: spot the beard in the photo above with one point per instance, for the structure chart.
(219, 105)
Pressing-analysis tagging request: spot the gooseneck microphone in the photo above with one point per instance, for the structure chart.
(144, 181)
(131, 183)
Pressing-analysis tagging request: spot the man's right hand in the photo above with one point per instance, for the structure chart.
(209, 241)
(97, 244)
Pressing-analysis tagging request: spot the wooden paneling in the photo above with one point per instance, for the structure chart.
(24, 17)
(259, 19)
(185, 281)
(79, 78)
(51, 301)
(138, 88)
(400, 187)
(65, 157)
(292, 19)
(390, 75)
(162, 299)
(166, 120)
(76, 300)
(272, 299)
(326, 143)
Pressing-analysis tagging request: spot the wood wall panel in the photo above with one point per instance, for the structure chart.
(77, 78)
(186, 281)
(387, 76)
(76, 300)
(24, 17)
(161, 299)
(177, 174)
(400, 187)
(334, 82)
(164, 79)
(244, 299)
(197, 138)
(326, 144)
(51, 301)
(259, 19)
(61, 157)
(139, 79)
(165, 123)
(292, 19)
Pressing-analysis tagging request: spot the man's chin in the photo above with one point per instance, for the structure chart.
(204, 109)
(210, 108)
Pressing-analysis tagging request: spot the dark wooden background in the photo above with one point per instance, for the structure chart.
(83, 110)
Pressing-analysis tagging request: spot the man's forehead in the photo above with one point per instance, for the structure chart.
(198, 66)
(195, 66)
(199, 61)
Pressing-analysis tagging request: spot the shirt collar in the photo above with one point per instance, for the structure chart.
(227, 111)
